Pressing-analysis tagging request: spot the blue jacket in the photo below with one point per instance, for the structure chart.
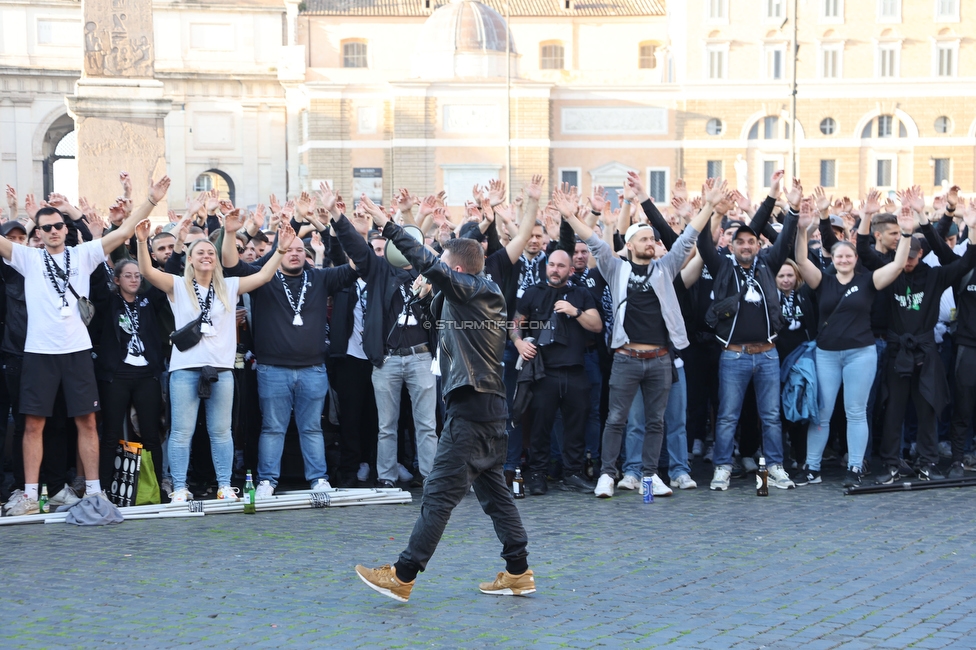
(798, 374)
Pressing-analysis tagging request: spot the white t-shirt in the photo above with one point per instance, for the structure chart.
(48, 332)
(216, 349)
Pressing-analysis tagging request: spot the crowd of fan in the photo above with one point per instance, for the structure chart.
(798, 330)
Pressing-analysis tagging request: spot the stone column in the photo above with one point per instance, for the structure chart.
(118, 106)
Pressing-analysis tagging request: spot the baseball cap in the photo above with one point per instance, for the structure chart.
(633, 230)
(837, 222)
(374, 234)
(10, 226)
(916, 248)
(747, 230)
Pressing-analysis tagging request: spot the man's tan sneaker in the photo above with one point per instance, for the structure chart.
(507, 584)
(383, 579)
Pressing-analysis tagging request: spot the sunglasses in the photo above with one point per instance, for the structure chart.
(240, 249)
(55, 226)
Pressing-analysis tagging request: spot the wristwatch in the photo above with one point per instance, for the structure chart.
(579, 312)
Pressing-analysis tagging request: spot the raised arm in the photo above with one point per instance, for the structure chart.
(286, 235)
(887, 274)
(159, 279)
(114, 239)
(809, 271)
(654, 216)
(532, 195)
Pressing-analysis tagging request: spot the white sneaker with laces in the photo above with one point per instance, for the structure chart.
(180, 496)
(628, 482)
(658, 488)
(15, 497)
(683, 482)
(779, 478)
(23, 506)
(363, 473)
(227, 493)
(697, 448)
(720, 479)
(66, 497)
(321, 485)
(264, 490)
(403, 473)
(604, 487)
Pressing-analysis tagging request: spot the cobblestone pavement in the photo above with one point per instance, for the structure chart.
(805, 568)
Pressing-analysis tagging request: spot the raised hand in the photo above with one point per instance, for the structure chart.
(906, 220)
(233, 221)
(172, 216)
(286, 235)
(872, 203)
(195, 205)
(405, 201)
(287, 210)
(952, 197)
(715, 190)
(563, 202)
(96, 225)
(533, 191)
(327, 197)
(742, 201)
(379, 217)
(316, 243)
(476, 193)
(504, 211)
(599, 198)
(303, 204)
(821, 200)
(142, 230)
(472, 212)
(917, 199)
(126, 184)
(680, 189)
(807, 215)
(211, 202)
(486, 211)
(682, 208)
(795, 195)
(427, 206)
(157, 190)
(938, 204)
(776, 183)
(30, 206)
(12, 201)
(848, 205)
(439, 215)
(58, 201)
(275, 206)
(496, 192)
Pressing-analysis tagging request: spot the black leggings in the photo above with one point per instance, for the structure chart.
(117, 396)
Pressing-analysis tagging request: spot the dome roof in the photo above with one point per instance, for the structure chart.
(464, 26)
(463, 38)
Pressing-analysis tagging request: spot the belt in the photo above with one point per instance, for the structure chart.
(642, 354)
(750, 348)
(407, 352)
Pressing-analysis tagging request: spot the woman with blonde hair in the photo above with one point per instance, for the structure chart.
(204, 370)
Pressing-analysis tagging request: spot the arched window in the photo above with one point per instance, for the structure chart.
(552, 56)
(354, 54)
(770, 127)
(646, 59)
(214, 179)
(883, 126)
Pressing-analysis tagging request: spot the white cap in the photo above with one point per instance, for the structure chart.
(633, 230)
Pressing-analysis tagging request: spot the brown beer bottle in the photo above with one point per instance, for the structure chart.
(762, 479)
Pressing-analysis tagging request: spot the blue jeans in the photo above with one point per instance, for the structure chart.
(388, 382)
(184, 406)
(675, 417)
(855, 368)
(735, 370)
(281, 390)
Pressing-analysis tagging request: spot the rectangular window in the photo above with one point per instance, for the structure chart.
(947, 10)
(769, 168)
(716, 62)
(889, 11)
(946, 61)
(570, 176)
(551, 57)
(828, 173)
(830, 9)
(888, 60)
(646, 59)
(774, 63)
(883, 175)
(941, 166)
(717, 9)
(774, 9)
(769, 127)
(713, 169)
(884, 126)
(830, 62)
(354, 55)
(657, 185)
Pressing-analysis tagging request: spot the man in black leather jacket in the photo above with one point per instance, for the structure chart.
(470, 313)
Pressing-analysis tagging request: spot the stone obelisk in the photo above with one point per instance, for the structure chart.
(118, 106)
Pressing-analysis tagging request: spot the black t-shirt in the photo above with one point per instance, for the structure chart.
(407, 328)
(643, 319)
(536, 304)
(849, 327)
(500, 270)
(467, 403)
(913, 299)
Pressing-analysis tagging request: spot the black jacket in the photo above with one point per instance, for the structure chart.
(471, 312)
(113, 342)
(767, 264)
(382, 281)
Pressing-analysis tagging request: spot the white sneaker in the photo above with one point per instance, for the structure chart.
(683, 482)
(749, 464)
(604, 487)
(227, 493)
(658, 488)
(321, 485)
(180, 496)
(720, 479)
(779, 478)
(66, 497)
(697, 448)
(363, 473)
(403, 473)
(264, 490)
(15, 497)
(628, 482)
(23, 506)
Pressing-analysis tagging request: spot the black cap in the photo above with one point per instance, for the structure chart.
(470, 230)
(916, 248)
(374, 234)
(747, 230)
(10, 226)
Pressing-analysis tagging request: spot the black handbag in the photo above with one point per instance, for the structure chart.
(188, 335)
(725, 308)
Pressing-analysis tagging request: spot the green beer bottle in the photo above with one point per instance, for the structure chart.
(249, 507)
